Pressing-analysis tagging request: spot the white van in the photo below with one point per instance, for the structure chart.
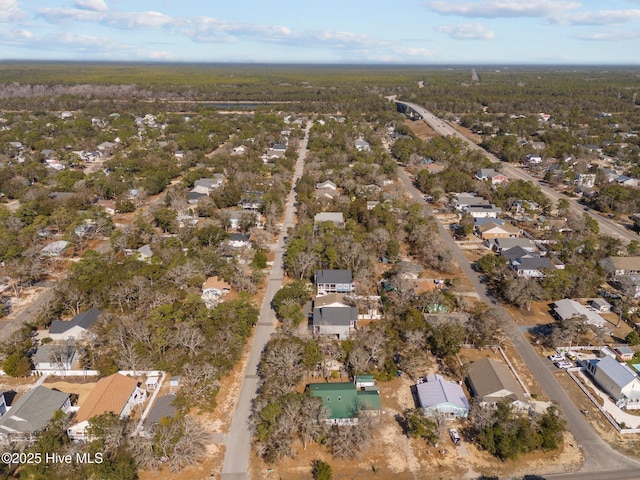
(455, 438)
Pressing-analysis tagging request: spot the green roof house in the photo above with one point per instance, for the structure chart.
(343, 401)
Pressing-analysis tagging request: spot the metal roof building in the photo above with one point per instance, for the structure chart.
(440, 397)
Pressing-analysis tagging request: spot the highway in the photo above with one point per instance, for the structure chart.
(235, 465)
(607, 226)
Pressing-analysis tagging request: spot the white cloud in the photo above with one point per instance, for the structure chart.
(21, 34)
(95, 5)
(504, 8)
(212, 30)
(10, 11)
(125, 20)
(133, 20)
(337, 39)
(470, 31)
(417, 52)
(602, 17)
(161, 55)
(61, 15)
(610, 36)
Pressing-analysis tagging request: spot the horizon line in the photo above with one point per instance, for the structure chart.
(318, 64)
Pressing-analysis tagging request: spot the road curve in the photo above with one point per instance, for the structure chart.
(598, 455)
(238, 441)
(607, 226)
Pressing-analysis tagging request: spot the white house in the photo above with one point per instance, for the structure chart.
(490, 175)
(145, 253)
(213, 290)
(488, 211)
(362, 145)
(109, 206)
(566, 309)
(54, 358)
(617, 380)
(55, 249)
(238, 240)
(115, 394)
(76, 328)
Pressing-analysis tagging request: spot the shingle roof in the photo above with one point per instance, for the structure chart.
(335, 217)
(334, 316)
(517, 252)
(507, 243)
(436, 391)
(333, 276)
(325, 300)
(488, 377)
(532, 263)
(33, 410)
(47, 353)
(109, 395)
(239, 237)
(622, 263)
(84, 320)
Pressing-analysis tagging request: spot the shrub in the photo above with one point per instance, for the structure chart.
(321, 470)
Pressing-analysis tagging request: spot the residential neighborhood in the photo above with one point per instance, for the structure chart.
(351, 276)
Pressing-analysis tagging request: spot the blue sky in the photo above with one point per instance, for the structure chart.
(325, 31)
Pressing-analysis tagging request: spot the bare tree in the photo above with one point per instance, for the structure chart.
(348, 440)
(190, 338)
(312, 423)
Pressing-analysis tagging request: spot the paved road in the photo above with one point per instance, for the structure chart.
(236, 460)
(599, 456)
(607, 226)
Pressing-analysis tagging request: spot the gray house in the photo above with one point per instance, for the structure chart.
(31, 413)
(333, 281)
(331, 316)
(336, 218)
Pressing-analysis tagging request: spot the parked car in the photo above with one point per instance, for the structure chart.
(564, 364)
(455, 438)
(556, 357)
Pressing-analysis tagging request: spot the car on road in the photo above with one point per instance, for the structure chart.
(455, 437)
(564, 364)
(556, 357)
(587, 209)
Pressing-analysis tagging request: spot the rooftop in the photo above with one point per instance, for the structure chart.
(489, 376)
(436, 391)
(621, 374)
(110, 394)
(333, 276)
(33, 410)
